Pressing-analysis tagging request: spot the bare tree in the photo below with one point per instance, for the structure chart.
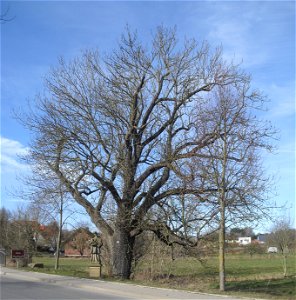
(6, 234)
(81, 240)
(232, 166)
(54, 203)
(24, 229)
(46, 194)
(115, 129)
(4, 17)
(283, 236)
(228, 170)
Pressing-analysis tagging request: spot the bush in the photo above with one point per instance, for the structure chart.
(254, 249)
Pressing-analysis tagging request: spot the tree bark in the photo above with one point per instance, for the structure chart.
(59, 241)
(122, 250)
(222, 249)
(285, 264)
(223, 205)
(122, 253)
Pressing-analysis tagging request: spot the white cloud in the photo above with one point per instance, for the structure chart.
(283, 97)
(255, 32)
(238, 50)
(237, 34)
(11, 151)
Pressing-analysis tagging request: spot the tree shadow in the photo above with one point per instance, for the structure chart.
(275, 287)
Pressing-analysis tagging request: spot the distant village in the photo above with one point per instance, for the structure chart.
(40, 238)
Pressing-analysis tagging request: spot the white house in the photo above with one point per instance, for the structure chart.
(244, 240)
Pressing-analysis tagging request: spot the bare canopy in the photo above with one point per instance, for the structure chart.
(117, 130)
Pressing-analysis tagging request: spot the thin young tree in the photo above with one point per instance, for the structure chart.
(6, 235)
(283, 236)
(81, 239)
(24, 229)
(52, 200)
(232, 166)
(114, 129)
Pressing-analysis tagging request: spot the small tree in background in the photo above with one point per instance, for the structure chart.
(254, 248)
(81, 240)
(231, 167)
(46, 194)
(21, 230)
(283, 236)
(6, 236)
(50, 234)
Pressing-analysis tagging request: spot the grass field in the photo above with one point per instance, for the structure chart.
(259, 276)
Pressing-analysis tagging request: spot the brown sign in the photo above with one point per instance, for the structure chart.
(17, 253)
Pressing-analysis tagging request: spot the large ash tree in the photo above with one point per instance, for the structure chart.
(116, 130)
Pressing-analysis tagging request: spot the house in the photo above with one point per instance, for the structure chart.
(244, 240)
(262, 238)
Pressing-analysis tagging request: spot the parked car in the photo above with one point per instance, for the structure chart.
(62, 253)
(272, 250)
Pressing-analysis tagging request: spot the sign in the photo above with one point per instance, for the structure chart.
(286, 250)
(17, 253)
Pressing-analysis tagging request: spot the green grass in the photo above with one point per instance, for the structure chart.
(258, 266)
(275, 288)
(77, 267)
(260, 276)
(237, 266)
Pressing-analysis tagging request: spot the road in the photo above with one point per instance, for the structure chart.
(17, 284)
(12, 288)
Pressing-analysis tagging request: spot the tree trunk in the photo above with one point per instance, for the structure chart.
(58, 249)
(122, 253)
(222, 211)
(285, 265)
(222, 249)
(57, 261)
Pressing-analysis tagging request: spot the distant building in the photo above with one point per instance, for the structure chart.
(244, 240)
(262, 238)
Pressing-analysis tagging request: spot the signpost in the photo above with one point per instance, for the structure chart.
(17, 253)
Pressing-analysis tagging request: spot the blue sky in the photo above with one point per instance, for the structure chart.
(261, 34)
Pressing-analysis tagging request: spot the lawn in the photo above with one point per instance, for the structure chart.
(77, 267)
(259, 276)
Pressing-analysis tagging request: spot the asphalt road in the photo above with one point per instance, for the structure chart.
(12, 288)
(17, 284)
